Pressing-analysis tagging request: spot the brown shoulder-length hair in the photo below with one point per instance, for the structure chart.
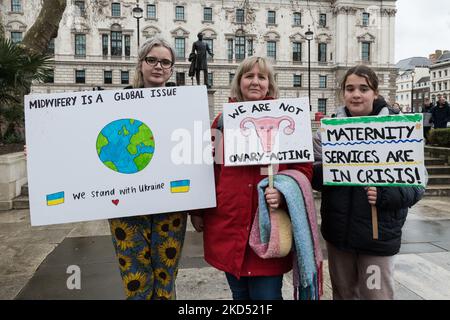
(145, 48)
(246, 66)
(365, 72)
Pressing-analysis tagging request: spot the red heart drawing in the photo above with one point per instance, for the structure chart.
(116, 202)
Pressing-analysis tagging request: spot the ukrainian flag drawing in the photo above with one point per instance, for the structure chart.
(55, 198)
(180, 186)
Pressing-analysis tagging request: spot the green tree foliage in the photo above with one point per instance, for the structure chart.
(18, 69)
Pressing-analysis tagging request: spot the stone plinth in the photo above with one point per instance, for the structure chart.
(211, 104)
(13, 175)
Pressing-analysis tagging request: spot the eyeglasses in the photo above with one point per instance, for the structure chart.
(152, 61)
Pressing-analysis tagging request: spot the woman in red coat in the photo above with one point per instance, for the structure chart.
(227, 227)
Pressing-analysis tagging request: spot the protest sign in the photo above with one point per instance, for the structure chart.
(107, 154)
(373, 151)
(267, 132)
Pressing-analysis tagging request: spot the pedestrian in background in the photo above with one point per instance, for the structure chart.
(427, 122)
(440, 113)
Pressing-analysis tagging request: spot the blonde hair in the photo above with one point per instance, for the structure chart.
(246, 66)
(145, 48)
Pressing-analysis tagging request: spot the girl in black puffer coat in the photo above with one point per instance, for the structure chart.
(361, 267)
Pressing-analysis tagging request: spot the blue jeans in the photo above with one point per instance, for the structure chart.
(255, 288)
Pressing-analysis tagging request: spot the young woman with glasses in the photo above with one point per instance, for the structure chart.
(148, 247)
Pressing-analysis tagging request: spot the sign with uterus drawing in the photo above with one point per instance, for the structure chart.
(267, 132)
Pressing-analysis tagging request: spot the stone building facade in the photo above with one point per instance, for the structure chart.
(97, 41)
(409, 84)
(440, 77)
(421, 92)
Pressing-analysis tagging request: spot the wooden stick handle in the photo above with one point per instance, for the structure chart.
(270, 170)
(374, 222)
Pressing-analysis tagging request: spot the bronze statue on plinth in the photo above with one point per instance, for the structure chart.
(198, 59)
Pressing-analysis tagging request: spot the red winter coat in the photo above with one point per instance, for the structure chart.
(227, 226)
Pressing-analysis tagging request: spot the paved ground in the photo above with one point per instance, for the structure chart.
(34, 261)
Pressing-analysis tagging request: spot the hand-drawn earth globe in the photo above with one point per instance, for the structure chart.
(126, 145)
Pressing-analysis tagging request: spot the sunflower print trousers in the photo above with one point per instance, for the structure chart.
(148, 249)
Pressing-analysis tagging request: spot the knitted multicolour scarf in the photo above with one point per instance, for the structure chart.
(308, 198)
(307, 264)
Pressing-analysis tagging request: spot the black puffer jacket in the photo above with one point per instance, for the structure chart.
(440, 115)
(346, 212)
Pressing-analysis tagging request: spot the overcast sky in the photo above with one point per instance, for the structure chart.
(422, 26)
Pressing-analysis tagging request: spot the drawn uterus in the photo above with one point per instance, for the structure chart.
(267, 129)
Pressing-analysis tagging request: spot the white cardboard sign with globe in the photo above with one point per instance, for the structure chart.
(107, 154)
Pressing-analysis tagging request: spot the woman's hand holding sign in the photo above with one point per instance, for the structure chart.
(274, 198)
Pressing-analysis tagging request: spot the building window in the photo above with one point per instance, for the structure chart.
(180, 48)
(240, 47)
(230, 77)
(440, 74)
(116, 43)
(249, 47)
(115, 9)
(240, 16)
(107, 77)
(50, 77)
(105, 44)
(365, 19)
(323, 20)
(179, 13)
(365, 53)
(296, 52)
(210, 79)
(434, 75)
(272, 49)
(322, 82)
(16, 5)
(207, 14)
(127, 43)
(230, 50)
(297, 80)
(445, 73)
(82, 7)
(51, 47)
(80, 45)
(124, 77)
(151, 11)
(297, 19)
(181, 78)
(322, 52)
(16, 36)
(322, 106)
(271, 17)
(440, 86)
(434, 86)
(80, 76)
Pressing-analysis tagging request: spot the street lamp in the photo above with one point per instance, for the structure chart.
(412, 90)
(137, 14)
(309, 36)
